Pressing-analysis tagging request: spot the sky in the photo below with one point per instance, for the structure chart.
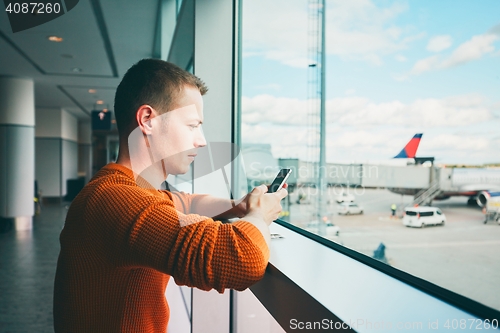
(393, 69)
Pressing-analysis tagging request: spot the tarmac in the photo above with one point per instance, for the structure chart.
(461, 256)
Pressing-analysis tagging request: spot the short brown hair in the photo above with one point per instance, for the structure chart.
(153, 82)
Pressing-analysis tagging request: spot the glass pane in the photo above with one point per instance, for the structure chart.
(412, 117)
(178, 5)
(179, 302)
(251, 316)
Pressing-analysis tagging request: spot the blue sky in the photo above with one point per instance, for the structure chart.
(394, 68)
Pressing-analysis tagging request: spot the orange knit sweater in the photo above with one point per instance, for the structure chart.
(121, 243)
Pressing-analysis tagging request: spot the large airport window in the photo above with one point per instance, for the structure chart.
(412, 167)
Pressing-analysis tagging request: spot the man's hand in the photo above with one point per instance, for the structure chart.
(263, 205)
(262, 208)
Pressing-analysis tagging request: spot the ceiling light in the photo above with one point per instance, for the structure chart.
(92, 91)
(76, 70)
(56, 39)
(99, 102)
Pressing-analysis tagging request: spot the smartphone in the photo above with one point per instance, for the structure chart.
(279, 181)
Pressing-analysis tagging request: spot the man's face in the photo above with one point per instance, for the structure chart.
(177, 134)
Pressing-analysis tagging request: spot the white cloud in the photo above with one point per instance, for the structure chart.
(457, 142)
(458, 129)
(356, 29)
(362, 112)
(425, 65)
(400, 77)
(359, 139)
(400, 58)
(422, 112)
(276, 30)
(439, 43)
(284, 141)
(276, 110)
(358, 145)
(473, 49)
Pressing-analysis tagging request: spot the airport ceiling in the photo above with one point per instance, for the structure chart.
(101, 40)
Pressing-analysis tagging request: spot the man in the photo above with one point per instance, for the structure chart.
(393, 210)
(123, 237)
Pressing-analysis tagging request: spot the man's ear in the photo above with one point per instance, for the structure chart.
(144, 115)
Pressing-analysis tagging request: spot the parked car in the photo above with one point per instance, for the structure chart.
(348, 208)
(345, 197)
(423, 216)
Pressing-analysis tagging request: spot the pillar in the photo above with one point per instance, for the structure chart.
(56, 143)
(17, 151)
(85, 150)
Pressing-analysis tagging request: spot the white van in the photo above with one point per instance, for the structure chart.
(345, 197)
(423, 216)
(348, 208)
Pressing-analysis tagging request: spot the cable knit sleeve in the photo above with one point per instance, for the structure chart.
(197, 251)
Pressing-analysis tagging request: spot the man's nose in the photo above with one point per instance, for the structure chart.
(200, 139)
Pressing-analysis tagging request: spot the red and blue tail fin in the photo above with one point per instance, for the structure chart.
(410, 150)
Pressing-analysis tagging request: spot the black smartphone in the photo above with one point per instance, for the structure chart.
(279, 181)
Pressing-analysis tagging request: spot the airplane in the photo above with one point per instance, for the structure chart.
(479, 184)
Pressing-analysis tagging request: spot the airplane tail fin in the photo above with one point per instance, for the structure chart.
(410, 150)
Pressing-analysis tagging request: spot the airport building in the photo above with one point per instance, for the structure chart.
(370, 274)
